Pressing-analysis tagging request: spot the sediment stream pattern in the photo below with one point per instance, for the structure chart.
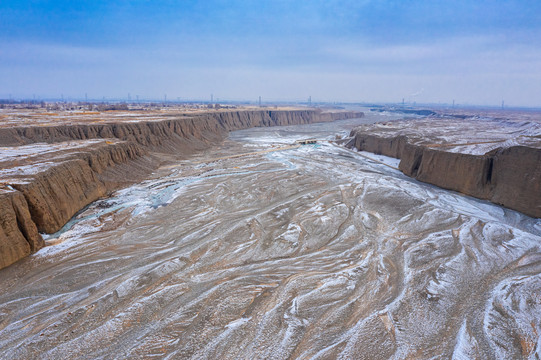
(312, 252)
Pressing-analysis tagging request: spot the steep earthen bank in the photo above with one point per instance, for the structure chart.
(47, 197)
(184, 132)
(45, 200)
(55, 194)
(18, 233)
(508, 176)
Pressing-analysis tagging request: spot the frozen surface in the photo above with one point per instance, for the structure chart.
(392, 162)
(314, 252)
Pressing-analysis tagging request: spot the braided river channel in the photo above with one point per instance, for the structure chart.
(306, 251)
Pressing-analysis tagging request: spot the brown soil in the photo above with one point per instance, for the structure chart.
(92, 154)
(499, 161)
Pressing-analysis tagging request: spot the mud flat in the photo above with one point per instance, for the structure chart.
(494, 156)
(312, 252)
(60, 163)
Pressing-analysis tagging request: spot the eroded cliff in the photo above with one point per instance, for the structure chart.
(167, 132)
(56, 192)
(18, 233)
(508, 176)
(45, 185)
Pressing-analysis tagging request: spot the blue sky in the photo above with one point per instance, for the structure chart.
(476, 52)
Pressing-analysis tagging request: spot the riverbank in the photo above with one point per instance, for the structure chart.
(55, 167)
(490, 158)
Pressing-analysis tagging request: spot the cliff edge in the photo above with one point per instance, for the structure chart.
(50, 169)
(470, 157)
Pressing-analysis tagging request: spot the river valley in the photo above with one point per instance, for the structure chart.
(312, 251)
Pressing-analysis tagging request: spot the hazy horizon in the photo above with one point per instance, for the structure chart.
(349, 51)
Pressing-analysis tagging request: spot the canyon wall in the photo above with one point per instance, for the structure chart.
(55, 194)
(19, 236)
(506, 176)
(170, 131)
(46, 200)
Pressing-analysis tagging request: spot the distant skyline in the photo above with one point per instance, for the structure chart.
(472, 52)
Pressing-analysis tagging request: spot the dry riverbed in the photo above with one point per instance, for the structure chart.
(314, 251)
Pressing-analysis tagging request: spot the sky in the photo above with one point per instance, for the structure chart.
(473, 52)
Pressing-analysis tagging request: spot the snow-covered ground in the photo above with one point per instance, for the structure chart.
(23, 152)
(315, 252)
(472, 135)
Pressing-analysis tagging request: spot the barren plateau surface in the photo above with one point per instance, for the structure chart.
(465, 132)
(260, 249)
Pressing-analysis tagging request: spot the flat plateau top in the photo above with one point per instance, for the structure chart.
(44, 117)
(19, 163)
(464, 131)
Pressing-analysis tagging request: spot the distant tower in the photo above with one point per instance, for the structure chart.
(129, 97)
(137, 98)
(502, 104)
(165, 98)
(86, 97)
(62, 97)
(259, 101)
(453, 103)
(211, 98)
(310, 100)
(402, 101)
